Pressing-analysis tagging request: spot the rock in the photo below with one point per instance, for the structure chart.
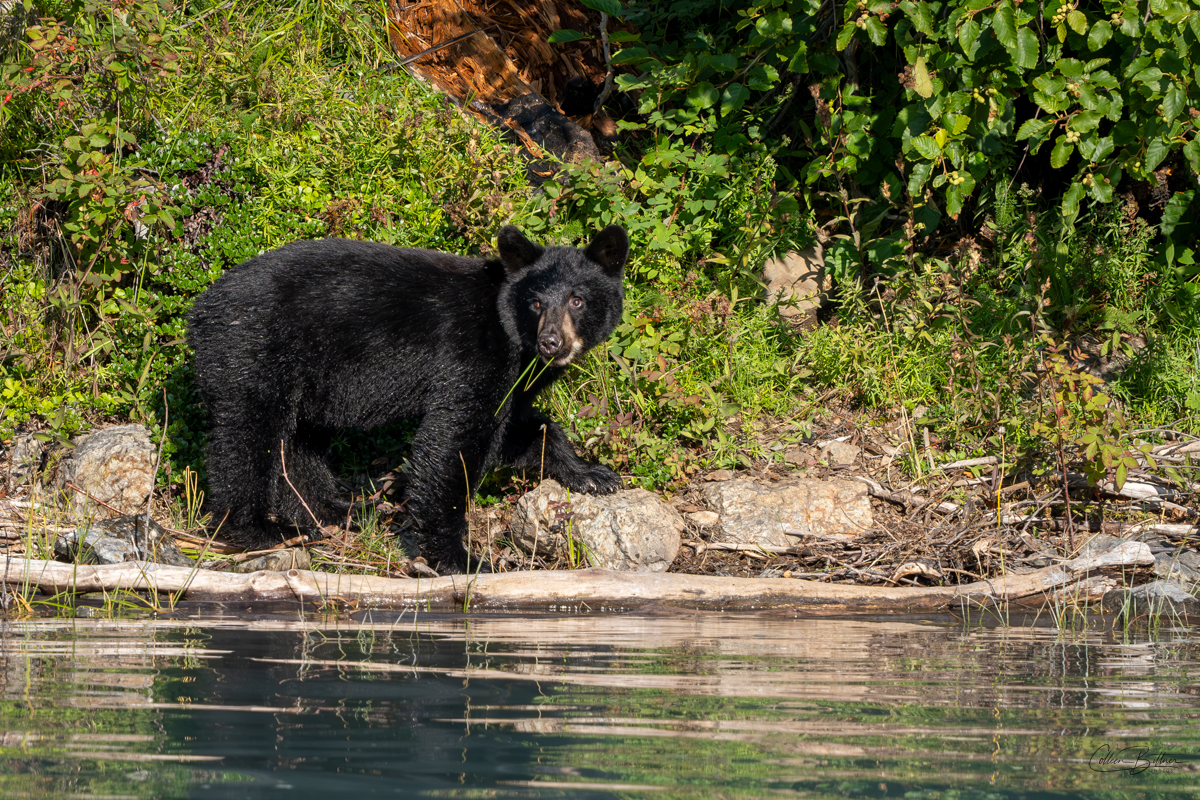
(1182, 566)
(119, 540)
(755, 514)
(704, 519)
(797, 456)
(719, 475)
(114, 465)
(274, 561)
(840, 453)
(1159, 597)
(25, 459)
(630, 530)
(1098, 544)
(797, 283)
(1128, 553)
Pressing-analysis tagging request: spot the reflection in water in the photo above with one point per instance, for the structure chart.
(669, 704)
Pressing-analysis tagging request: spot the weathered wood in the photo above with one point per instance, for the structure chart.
(594, 589)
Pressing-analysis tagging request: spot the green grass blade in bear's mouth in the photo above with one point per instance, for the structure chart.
(533, 378)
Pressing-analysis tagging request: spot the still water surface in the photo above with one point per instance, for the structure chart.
(210, 704)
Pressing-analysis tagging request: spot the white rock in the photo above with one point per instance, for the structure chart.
(630, 530)
(753, 513)
(114, 465)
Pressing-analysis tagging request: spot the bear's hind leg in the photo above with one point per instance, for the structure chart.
(239, 499)
(307, 462)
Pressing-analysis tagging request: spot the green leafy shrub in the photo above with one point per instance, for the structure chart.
(921, 104)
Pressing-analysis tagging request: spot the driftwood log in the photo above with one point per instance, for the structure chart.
(1082, 579)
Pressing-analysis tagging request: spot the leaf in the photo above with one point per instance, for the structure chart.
(1173, 102)
(1148, 75)
(1156, 151)
(1176, 211)
(1100, 34)
(954, 201)
(1100, 189)
(702, 95)
(1061, 152)
(1192, 151)
(774, 25)
(1034, 128)
(566, 35)
(927, 147)
(1070, 207)
(1004, 23)
(920, 15)
(733, 98)
(614, 8)
(1087, 97)
(1078, 22)
(1086, 121)
(968, 35)
(1119, 479)
(919, 177)
(1027, 49)
(845, 35)
(799, 62)
(631, 54)
(922, 84)
(877, 31)
(1070, 67)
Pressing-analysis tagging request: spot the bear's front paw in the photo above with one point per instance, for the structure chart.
(592, 479)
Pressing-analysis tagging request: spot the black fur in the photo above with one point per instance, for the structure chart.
(329, 334)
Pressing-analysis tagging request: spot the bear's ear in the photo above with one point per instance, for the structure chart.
(609, 248)
(516, 251)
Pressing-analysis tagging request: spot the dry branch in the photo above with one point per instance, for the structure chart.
(591, 589)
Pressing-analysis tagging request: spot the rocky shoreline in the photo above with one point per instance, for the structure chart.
(815, 518)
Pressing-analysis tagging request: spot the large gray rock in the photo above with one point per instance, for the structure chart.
(754, 513)
(1179, 565)
(630, 530)
(1165, 598)
(114, 465)
(119, 540)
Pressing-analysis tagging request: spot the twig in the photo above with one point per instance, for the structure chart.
(95, 499)
(406, 61)
(608, 78)
(972, 462)
(905, 499)
(700, 547)
(317, 522)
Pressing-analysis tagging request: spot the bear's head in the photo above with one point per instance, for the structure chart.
(559, 302)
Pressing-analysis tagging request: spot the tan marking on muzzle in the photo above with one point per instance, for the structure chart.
(570, 339)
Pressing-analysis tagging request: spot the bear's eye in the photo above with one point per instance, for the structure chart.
(576, 302)
(536, 305)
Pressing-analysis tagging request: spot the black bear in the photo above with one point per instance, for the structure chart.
(327, 334)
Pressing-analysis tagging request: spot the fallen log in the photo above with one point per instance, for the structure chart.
(576, 590)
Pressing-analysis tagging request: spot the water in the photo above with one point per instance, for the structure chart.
(222, 704)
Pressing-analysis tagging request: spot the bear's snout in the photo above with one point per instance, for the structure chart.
(549, 343)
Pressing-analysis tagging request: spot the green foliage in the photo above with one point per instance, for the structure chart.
(921, 104)
(1081, 421)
